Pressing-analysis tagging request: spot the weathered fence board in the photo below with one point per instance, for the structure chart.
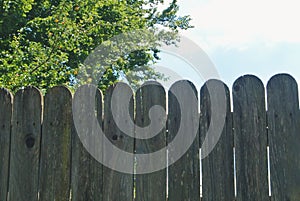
(86, 176)
(250, 139)
(217, 167)
(151, 186)
(43, 158)
(5, 124)
(116, 185)
(25, 145)
(183, 175)
(56, 145)
(284, 137)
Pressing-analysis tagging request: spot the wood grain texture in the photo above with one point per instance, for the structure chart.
(118, 186)
(151, 186)
(284, 138)
(25, 145)
(217, 167)
(6, 99)
(56, 145)
(250, 138)
(183, 175)
(86, 178)
(41, 153)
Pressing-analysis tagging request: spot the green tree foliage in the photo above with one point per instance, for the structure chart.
(43, 42)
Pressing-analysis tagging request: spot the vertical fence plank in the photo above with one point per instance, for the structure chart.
(250, 138)
(284, 138)
(117, 185)
(86, 178)
(5, 124)
(217, 167)
(183, 117)
(151, 186)
(25, 145)
(56, 145)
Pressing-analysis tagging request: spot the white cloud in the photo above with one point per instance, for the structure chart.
(238, 23)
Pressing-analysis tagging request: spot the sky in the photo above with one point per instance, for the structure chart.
(259, 37)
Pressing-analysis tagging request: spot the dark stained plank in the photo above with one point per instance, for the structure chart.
(284, 138)
(86, 176)
(217, 167)
(5, 124)
(250, 138)
(151, 186)
(25, 145)
(183, 124)
(56, 145)
(118, 186)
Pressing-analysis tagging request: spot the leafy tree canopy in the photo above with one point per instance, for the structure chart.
(44, 42)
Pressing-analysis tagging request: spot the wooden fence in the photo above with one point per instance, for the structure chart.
(42, 158)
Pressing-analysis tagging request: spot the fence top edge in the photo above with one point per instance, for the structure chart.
(72, 92)
(215, 81)
(7, 93)
(285, 76)
(118, 84)
(246, 77)
(59, 88)
(26, 89)
(90, 86)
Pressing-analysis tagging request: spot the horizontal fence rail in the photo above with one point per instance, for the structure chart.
(254, 155)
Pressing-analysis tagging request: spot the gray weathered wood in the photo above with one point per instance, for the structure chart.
(151, 186)
(25, 145)
(86, 178)
(117, 185)
(217, 167)
(51, 158)
(56, 145)
(5, 124)
(250, 138)
(183, 175)
(284, 138)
